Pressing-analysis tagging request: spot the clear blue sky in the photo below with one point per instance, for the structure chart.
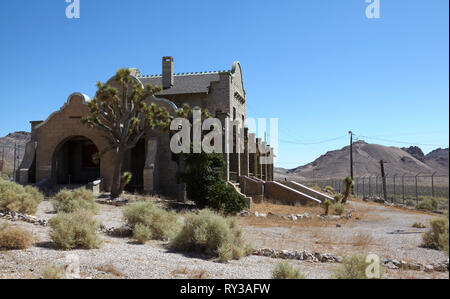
(321, 67)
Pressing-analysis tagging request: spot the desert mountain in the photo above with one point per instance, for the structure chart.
(366, 157)
(7, 145)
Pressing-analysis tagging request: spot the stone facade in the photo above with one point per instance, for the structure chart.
(60, 146)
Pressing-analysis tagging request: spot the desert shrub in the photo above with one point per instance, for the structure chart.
(225, 198)
(329, 189)
(74, 230)
(206, 185)
(16, 198)
(69, 201)
(353, 267)
(161, 223)
(410, 203)
(284, 270)
(53, 272)
(326, 204)
(211, 234)
(430, 204)
(142, 233)
(339, 208)
(13, 237)
(418, 225)
(437, 236)
(337, 197)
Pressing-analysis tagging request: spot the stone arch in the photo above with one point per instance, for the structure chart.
(72, 161)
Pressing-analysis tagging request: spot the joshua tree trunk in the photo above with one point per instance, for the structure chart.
(116, 186)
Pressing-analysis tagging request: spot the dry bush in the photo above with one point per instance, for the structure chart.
(162, 224)
(69, 201)
(353, 267)
(419, 225)
(13, 238)
(362, 239)
(53, 272)
(284, 270)
(16, 198)
(110, 269)
(437, 236)
(199, 274)
(339, 208)
(430, 204)
(74, 230)
(142, 233)
(211, 234)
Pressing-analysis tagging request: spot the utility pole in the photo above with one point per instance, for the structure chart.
(351, 154)
(383, 176)
(14, 170)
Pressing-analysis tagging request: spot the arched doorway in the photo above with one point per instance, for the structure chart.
(72, 162)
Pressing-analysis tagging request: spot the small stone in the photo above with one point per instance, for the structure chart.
(429, 268)
(415, 266)
(293, 218)
(338, 225)
(440, 267)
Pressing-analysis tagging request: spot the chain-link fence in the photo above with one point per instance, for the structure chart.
(10, 159)
(399, 188)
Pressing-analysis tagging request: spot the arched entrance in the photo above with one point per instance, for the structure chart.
(72, 162)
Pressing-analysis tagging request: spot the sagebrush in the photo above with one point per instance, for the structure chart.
(213, 235)
(161, 224)
(284, 270)
(354, 267)
(16, 198)
(437, 236)
(14, 238)
(74, 230)
(69, 201)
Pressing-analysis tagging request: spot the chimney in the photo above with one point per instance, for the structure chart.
(167, 72)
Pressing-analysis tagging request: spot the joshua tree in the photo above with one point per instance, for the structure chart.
(120, 110)
(348, 188)
(327, 204)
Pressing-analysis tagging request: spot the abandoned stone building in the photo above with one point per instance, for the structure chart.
(61, 147)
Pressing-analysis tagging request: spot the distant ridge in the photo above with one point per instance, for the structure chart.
(366, 157)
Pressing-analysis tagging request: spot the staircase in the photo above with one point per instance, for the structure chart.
(290, 193)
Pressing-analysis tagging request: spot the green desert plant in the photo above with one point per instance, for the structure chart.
(211, 234)
(161, 223)
(437, 236)
(354, 267)
(327, 204)
(206, 186)
(68, 201)
(53, 271)
(339, 208)
(74, 230)
(284, 270)
(430, 204)
(142, 233)
(348, 182)
(329, 189)
(13, 238)
(16, 198)
(337, 197)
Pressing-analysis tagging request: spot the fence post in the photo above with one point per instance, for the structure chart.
(394, 188)
(403, 187)
(417, 193)
(370, 189)
(432, 184)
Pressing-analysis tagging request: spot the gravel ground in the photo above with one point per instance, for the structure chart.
(120, 258)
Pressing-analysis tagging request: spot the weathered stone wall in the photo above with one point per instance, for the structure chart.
(285, 195)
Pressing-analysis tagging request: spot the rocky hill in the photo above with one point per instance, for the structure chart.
(366, 157)
(7, 147)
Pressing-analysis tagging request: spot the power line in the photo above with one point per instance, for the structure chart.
(310, 143)
(401, 142)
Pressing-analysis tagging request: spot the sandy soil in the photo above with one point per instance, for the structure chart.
(120, 258)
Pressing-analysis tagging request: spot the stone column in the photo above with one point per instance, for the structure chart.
(245, 155)
(150, 168)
